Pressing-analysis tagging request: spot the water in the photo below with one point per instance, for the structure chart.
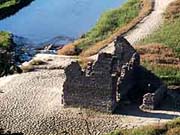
(44, 20)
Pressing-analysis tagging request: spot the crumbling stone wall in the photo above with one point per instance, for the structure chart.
(152, 100)
(92, 91)
(111, 79)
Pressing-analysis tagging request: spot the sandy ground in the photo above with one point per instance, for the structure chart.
(31, 102)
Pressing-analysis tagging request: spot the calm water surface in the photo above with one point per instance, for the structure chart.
(46, 19)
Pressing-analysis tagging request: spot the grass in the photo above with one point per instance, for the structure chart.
(160, 52)
(8, 3)
(162, 61)
(170, 128)
(111, 24)
(169, 74)
(113, 19)
(168, 33)
(5, 39)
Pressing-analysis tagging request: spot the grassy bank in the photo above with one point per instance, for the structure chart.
(111, 24)
(170, 128)
(10, 7)
(6, 58)
(161, 51)
(110, 21)
(167, 35)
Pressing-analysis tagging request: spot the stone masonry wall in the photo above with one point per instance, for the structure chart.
(92, 91)
(111, 79)
(97, 87)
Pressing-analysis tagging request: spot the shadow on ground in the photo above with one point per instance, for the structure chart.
(161, 113)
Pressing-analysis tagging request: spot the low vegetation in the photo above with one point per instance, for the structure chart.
(5, 39)
(6, 64)
(8, 3)
(111, 24)
(111, 20)
(168, 33)
(170, 128)
(160, 51)
(162, 61)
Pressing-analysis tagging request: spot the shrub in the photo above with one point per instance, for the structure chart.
(173, 10)
(174, 131)
(5, 39)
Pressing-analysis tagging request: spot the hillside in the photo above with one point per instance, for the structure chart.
(160, 52)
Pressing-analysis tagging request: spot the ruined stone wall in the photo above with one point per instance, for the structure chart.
(153, 100)
(90, 91)
(111, 79)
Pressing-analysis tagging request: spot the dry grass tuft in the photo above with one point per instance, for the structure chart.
(157, 54)
(83, 61)
(173, 10)
(69, 50)
(174, 131)
(162, 61)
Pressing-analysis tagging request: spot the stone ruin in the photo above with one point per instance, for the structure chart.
(112, 79)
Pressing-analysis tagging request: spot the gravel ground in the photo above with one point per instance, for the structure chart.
(31, 102)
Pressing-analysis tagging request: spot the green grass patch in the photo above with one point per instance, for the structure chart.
(110, 21)
(5, 39)
(170, 75)
(8, 3)
(168, 34)
(170, 128)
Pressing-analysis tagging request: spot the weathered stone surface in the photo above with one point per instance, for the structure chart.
(92, 91)
(112, 78)
(152, 100)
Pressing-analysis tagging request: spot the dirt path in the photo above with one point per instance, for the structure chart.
(145, 27)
